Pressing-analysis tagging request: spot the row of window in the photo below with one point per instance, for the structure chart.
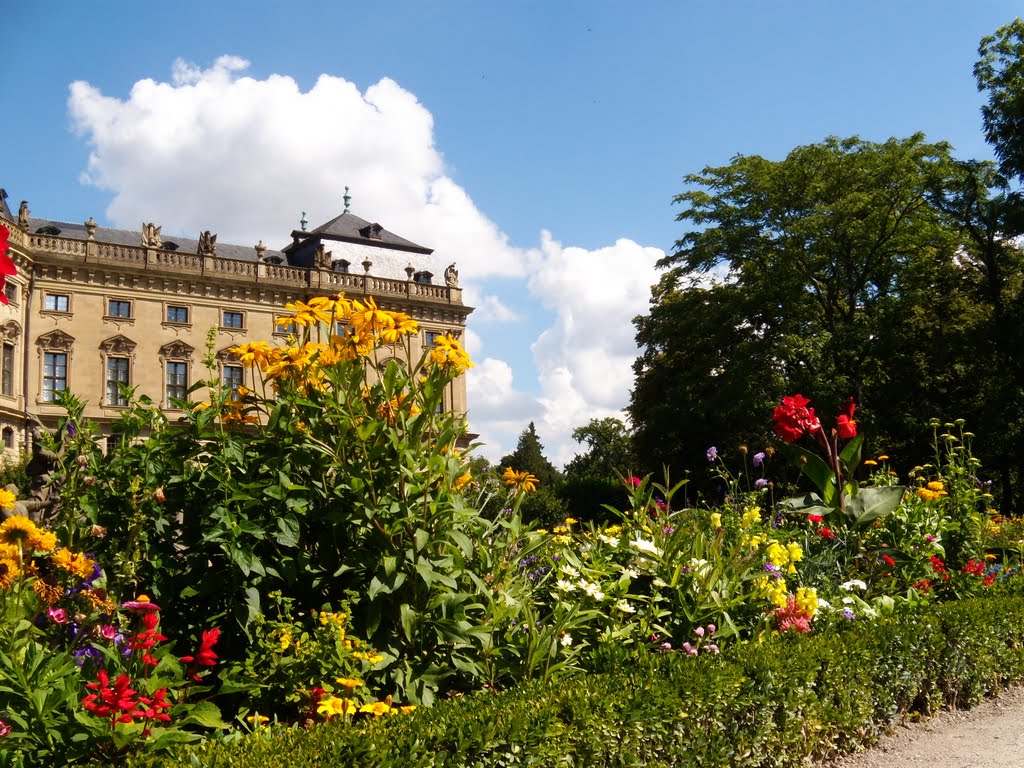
(122, 308)
(55, 378)
(179, 314)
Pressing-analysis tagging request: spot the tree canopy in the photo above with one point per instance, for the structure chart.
(847, 269)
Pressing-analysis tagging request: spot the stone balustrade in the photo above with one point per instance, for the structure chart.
(184, 264)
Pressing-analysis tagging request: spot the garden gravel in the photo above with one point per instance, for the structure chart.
(991, 733)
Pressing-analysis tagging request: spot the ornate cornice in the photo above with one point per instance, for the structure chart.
(177, 350)
(118, 345)
(57, 341)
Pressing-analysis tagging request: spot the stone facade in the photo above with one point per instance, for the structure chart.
(92, 306)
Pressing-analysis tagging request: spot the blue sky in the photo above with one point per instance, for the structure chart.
(538, 144)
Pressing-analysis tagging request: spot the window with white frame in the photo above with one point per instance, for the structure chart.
(232, 319)
(117, 375)
(55, 374)
(177, 381)
(57, 302)
(7, 371)
(119, 308)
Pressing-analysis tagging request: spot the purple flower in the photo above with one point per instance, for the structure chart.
(711, 629)
(699, 631)
(760, 484)
(847, 614)
(668, 530)
(712, 453)
(72, 432)
(690, 650)
(758, 458)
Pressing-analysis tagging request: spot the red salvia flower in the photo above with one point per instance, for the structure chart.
(206, 656)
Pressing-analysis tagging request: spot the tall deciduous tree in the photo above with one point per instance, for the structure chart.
(1000, 75)
(808, 274)
(609, 450)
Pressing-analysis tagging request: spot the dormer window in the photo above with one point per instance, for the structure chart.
(423, 277)
(169, 246)
(49, 229)
(372, 232)
(340, 266)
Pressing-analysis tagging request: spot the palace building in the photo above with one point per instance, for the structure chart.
(92, 307)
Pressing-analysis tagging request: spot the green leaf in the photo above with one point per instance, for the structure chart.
(408, 616)
(206, 714)
(850, 455)
(872, 503)
(289, 531)
(815, 469)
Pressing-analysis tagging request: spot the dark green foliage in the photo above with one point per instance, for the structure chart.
(878, 271)
(13, 473)
(609, 450)
(785, 702)
(585, 497)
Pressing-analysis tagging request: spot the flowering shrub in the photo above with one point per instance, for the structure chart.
(73, 661)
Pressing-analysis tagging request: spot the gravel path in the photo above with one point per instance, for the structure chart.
(991, 734)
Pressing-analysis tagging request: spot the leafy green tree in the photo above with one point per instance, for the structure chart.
(529, 456)
(811, 274)
(1000, 75)
(609, 450)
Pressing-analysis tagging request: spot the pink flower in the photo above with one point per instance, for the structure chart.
(4, 729)
(108, 631)
(634, 482)
(57, 615)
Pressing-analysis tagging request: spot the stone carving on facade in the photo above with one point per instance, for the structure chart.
(10, 331)
(261, 251)
(57, 341)
(322, 259)
(227, 356)
(177, 350)
(90, 229)
(451, 276)
(151, 236)
(118, 346)
(42, 492)
(207, 244)
(23, 215)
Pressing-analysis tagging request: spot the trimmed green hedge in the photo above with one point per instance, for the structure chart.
(787, 701)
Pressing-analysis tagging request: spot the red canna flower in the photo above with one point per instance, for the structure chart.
(793, 418)
(815, 518)
(844, 422)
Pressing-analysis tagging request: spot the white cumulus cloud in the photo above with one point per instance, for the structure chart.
(213, 148)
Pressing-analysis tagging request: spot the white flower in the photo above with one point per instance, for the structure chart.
(633, 573)
(566, 640)
(848, 601)
(569, 571)
(659, 582)
(824, 603)
(565, 586)
(647, 547)
(592, 589)
(625, 607)
(853, 584)
(609, 540)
